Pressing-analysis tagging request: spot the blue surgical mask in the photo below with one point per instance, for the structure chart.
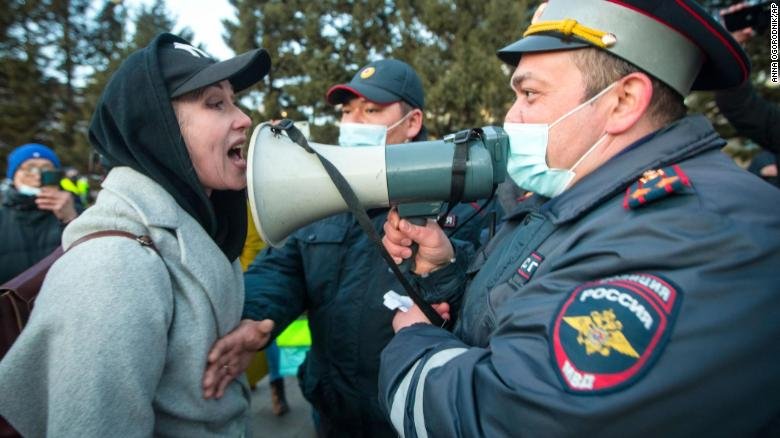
(365, 134)
(527, 163)
(362, 134)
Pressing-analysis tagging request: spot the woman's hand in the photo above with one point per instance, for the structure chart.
(230, 356)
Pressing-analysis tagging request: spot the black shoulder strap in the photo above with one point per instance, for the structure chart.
(360, 214)
(144, 240)
(29, 281)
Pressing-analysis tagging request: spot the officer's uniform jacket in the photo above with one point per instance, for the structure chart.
(643, 301)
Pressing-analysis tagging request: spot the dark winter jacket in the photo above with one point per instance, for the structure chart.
(752, 116)
(332, 270)
(27, 234)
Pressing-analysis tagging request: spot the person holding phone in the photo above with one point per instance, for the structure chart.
(34, 210)
(752, 115)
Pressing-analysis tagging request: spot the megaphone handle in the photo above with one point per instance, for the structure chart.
(362, 217)
(408, 264)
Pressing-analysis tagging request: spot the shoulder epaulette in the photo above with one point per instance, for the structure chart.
(655, 184)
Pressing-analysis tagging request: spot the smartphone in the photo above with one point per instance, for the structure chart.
(51, 177)
(755, 16)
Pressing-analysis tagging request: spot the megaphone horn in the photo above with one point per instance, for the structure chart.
(288, 187)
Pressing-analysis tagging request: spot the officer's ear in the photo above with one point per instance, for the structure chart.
(413, 124)
(632, 95)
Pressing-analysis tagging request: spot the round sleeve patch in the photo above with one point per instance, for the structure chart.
(609, 332)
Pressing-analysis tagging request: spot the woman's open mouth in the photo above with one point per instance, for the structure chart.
(236, 156)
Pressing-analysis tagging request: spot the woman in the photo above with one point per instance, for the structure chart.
(117, 343)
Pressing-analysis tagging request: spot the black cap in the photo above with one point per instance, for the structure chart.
(675, 41)
(186, 68)
(384, 82)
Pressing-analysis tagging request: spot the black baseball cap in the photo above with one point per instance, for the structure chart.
(676, 41)
(384, 82)
(186, 68)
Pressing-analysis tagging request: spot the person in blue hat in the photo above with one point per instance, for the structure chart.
(332, 270)
(636, 292)
(32, 216)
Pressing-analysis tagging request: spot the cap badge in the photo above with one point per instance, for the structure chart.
(609, 39)
(367, 72)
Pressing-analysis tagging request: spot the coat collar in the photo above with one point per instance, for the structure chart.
(145, 196)
(676, 142)
(188, 251)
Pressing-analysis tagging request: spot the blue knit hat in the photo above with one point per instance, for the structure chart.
(27, 152)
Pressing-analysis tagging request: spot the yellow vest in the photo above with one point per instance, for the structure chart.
(253, 243)
(69, 186)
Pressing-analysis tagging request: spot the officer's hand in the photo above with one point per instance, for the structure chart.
(58, 202)
(230, 356)
(415, 315)
(435, 249)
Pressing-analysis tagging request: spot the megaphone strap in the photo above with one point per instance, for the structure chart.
(353, 203)
(460, 159)
(293, 133)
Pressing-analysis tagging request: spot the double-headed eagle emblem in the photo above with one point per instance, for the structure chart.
(601, 333)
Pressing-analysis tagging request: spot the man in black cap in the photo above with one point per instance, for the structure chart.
(332, 270)
(636, 293)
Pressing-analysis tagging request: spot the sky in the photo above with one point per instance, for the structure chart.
(204, 17)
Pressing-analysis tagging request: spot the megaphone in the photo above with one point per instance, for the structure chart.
(288, 187)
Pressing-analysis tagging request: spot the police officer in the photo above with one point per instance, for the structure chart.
(636, 293)
(333, 270)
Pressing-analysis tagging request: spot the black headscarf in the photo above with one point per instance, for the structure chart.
(134, 125)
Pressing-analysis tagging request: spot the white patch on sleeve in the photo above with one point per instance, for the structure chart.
(437, 360)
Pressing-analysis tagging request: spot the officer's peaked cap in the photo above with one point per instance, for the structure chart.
(676, 41)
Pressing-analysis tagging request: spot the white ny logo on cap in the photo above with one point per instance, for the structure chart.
(194, 51)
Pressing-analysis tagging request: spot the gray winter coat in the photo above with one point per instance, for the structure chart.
(117, 341)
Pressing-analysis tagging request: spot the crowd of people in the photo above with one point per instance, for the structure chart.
(630, 287)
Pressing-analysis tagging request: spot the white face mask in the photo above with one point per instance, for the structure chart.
(366, 134)
(28, 190)
(527, 163)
